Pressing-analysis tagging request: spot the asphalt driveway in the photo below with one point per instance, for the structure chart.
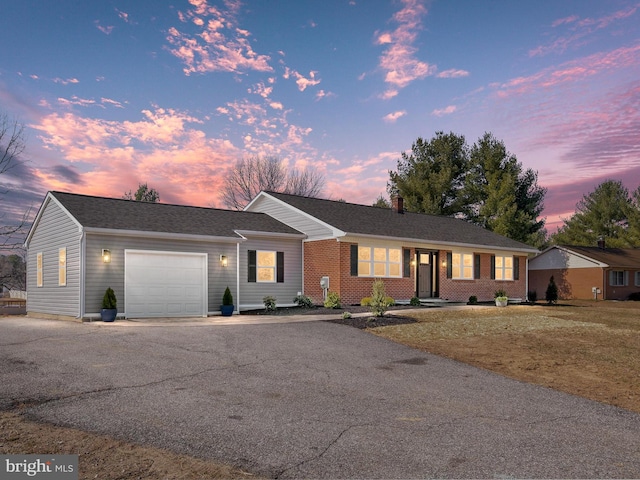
(313, 399)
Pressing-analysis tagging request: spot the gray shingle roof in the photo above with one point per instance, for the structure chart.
(614, 257)
(118, 214)
(368, 220)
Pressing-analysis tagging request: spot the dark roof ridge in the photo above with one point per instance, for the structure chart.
(54, 192)
(363, 205)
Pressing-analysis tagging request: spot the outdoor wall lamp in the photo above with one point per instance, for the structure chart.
(223, 260)
(106, 255)
(444, 263)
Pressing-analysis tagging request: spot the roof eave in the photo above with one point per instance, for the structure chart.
(163, 235)
(258, 233)
(445, 244)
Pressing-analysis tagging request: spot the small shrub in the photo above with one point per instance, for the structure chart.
(346, 315)
(473, 300)
(635, 296)
(109, 301)
(500, 293)
(551, 295)
(532, 295)
(227, 298)
(379, 299)
(365, 302)
(269, 303)
(332, 300)
(415, 302)
(303, 301)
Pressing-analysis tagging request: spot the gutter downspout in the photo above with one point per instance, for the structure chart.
(83, 251)
(238, 276)
(526, 279)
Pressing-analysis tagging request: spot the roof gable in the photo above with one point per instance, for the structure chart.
(129, 215)
(384, 222)
(612, 257)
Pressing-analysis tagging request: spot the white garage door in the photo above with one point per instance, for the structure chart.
(165, 284)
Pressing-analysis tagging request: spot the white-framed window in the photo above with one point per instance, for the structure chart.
(39, 275)
(265, 266)
(379, 262)
(637, 279)
(504, 268)
(462, 266)
(62, 267)
(618, 278)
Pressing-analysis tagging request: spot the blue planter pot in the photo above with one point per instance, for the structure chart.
(108, 314)
(227, 310)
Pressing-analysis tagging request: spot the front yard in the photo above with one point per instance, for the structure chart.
(585, 348)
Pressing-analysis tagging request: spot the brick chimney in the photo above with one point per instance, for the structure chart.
(397, 204)
(601, 244)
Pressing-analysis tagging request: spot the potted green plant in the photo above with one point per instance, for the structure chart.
(501, 298)
(227, 307)
(109, 306)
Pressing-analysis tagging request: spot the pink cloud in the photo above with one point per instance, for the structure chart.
(142, 151)
(453, 73)
(580, 30)
(67, 81)
(394, 116)
(572, 71)
(399, 60)
(302, 81)
(444, 111)
(106, 30)
(219, 46)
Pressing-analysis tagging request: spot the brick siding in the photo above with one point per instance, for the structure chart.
(577, 283)
(484, 287)
(333, 259)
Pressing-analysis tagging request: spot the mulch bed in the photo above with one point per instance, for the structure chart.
(373, 322)
(357, 322)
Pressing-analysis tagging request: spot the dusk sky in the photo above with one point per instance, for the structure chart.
(172, 93)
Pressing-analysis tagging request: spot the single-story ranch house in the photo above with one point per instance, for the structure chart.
(427, 256)
(587, 272)
(175, 261)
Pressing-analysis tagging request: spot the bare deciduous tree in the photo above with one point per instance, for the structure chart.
(251, 175)
(12, 144)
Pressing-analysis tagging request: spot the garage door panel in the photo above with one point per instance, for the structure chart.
(165, 284)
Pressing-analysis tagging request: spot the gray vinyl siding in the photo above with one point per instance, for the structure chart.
(55, 229)
(253, 292)
(100, 275)
(289, 216)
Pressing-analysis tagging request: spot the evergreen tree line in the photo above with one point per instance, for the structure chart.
(486, 185)
(482, 183)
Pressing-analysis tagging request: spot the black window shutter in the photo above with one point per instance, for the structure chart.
(493, 267)
(516, 268)
(354, 260)
(449, 265)
(280, 267)
(476, 266)
(252, 266)
(406, 262)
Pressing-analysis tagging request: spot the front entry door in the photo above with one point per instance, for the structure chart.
(425, 280)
